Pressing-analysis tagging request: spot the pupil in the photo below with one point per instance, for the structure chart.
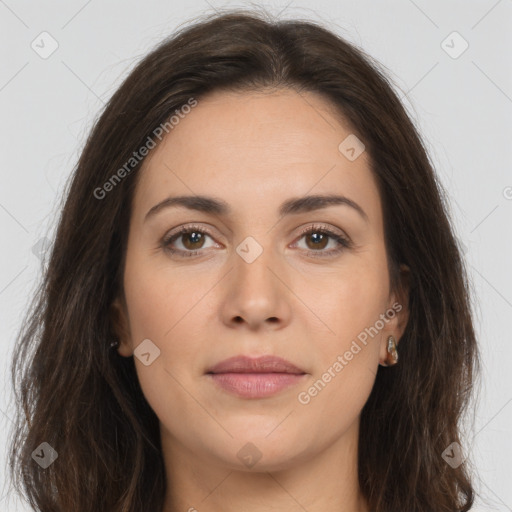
(318, 240)
(194, 237)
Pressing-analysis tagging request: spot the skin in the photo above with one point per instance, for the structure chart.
(254, 151)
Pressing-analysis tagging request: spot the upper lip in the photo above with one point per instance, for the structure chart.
(262, 364)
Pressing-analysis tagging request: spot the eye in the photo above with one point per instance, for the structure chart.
(317, 238)
(191, 239)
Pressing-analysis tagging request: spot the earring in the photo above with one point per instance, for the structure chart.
(114, 345)
(392, 355)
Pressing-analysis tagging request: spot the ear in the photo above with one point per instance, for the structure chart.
(397, 312)
(119, 320)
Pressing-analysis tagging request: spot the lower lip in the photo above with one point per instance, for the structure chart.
(256, 385)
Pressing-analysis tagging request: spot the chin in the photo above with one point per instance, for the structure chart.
(257, 449)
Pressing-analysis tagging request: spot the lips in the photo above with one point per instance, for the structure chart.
(263, 364)
(261, 377)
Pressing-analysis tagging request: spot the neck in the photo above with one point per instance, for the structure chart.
(325, 482)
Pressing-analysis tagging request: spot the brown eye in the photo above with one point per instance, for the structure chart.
(188, 241)
(318, 240)
(192, 240)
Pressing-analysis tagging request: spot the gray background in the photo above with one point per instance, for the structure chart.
(462, 105)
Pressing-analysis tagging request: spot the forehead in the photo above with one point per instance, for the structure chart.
(254, 149)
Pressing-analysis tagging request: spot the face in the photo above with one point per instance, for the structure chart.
(259, 272)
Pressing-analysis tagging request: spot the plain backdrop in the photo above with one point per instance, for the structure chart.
(456, 86)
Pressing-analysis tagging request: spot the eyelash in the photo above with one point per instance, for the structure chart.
(343, 242)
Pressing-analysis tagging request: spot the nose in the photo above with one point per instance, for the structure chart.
(256, 294)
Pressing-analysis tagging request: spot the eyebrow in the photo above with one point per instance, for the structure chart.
(291, 206)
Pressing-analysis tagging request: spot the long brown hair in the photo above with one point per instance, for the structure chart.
(85, 401)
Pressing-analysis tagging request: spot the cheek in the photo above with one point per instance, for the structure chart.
(164, 318)
(348, 356)
(162, 300)
(351, 299)
(165, 309)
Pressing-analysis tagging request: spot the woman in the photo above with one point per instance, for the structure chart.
(255, 299)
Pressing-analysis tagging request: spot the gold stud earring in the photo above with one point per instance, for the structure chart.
(392, 353)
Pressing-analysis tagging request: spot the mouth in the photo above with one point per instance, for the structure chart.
(260, 377)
